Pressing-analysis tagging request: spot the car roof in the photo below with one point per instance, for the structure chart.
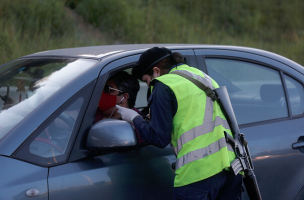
(99, 52)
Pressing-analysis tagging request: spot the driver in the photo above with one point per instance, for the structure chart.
(120, 89)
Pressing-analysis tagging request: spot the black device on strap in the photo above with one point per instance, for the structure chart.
(209, 92)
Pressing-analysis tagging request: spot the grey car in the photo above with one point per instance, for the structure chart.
(50, 147)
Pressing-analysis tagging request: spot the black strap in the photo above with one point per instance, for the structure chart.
(209, 92)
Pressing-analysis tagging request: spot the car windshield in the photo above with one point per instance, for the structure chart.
(26, 83)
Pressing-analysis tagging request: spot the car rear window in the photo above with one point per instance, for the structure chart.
(256, 91)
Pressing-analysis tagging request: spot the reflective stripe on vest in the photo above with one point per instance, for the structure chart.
(206, 81)
(201, 153)
(207, 127)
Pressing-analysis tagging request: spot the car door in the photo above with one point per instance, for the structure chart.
(48, 147)
(22, 180)
(143, 172)
(267, 98)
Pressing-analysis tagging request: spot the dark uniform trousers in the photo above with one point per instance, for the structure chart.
(222, 186)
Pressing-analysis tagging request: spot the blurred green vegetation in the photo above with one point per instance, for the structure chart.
(29, 26)
(273, 25)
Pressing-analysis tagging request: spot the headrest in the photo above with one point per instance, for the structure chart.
(271, 92)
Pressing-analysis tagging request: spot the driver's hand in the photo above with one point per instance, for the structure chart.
(126, 113)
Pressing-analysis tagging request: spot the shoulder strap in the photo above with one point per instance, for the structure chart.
(209, 92)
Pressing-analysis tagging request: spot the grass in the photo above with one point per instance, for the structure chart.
(39, 25)
(273, 25)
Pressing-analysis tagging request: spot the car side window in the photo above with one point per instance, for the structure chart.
(50, 145)
(295, 95)
(256, 92)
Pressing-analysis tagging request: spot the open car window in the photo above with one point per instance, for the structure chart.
(141, 99)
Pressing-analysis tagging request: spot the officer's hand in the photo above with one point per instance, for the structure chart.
(126, 113)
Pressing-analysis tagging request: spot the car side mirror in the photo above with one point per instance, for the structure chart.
(111, 134)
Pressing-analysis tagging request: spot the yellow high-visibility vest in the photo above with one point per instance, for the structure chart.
(197, 138)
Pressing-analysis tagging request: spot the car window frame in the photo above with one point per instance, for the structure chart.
(108, 66)
(287, 94)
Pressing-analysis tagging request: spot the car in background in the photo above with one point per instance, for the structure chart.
(50, 147)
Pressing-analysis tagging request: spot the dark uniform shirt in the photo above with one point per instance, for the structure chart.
(163, 107)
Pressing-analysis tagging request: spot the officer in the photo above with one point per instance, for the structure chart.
(182, 114)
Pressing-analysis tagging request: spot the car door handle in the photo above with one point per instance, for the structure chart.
(298, 145)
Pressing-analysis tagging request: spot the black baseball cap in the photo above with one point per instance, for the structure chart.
(149, 59)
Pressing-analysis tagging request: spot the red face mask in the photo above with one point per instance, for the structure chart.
(107, 101)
